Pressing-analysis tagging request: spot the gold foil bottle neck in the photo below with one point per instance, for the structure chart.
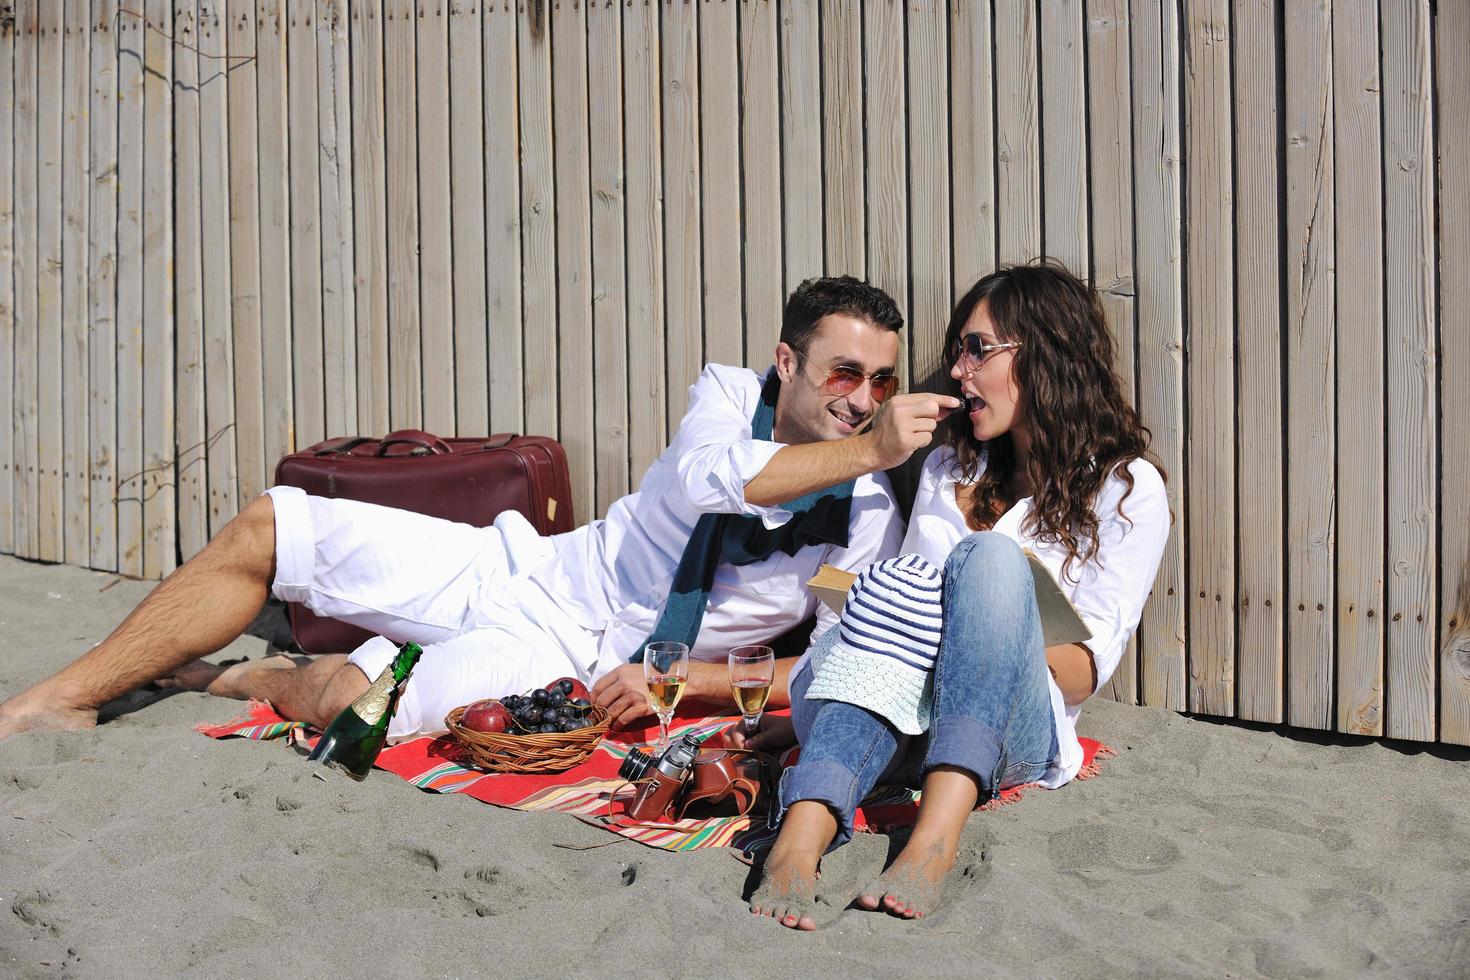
(373, 703)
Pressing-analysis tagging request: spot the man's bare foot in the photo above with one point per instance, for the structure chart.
(787, 891)
(911, 886)
(31, 711)
(196, 675)
(236, 681)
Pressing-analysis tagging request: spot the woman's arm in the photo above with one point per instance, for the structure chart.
(1072, 668)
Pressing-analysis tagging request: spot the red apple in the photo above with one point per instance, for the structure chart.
(488, 715)
(579, 690)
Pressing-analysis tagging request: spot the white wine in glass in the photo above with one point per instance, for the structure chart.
(666, 670)
(752, 669)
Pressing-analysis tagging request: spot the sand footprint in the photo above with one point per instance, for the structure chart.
(1087, 848)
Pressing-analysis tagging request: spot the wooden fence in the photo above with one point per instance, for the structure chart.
(229, 228)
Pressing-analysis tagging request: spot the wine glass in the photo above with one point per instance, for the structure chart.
(665, 668)
(752, 669)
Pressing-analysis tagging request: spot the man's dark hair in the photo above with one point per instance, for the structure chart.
(844, 295)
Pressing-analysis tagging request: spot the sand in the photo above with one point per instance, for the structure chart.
(1204, 849)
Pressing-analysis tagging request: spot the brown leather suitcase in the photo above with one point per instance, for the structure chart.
(467, 480)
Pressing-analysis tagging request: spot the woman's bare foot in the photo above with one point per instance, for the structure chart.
(911, 886)
(787, 891)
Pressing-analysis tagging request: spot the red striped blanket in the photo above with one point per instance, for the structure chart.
(592, 791)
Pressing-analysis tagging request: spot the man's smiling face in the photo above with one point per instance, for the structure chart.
(805, 411)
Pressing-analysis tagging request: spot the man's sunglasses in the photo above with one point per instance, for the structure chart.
(969, 351)
(845, 380)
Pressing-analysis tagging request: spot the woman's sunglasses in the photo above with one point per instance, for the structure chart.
(969, 351)
(846, 380)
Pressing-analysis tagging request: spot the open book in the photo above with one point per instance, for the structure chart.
(1060, 623)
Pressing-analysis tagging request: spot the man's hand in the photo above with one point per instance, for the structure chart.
(906, 424)
(623, 694)
(775, 732)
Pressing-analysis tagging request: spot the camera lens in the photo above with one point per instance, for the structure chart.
(635, 765)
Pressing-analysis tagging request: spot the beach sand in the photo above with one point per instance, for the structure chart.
(1204, 849)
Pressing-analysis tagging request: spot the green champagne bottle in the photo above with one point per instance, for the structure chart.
(355, 737)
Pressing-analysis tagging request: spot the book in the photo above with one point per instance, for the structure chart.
(1060, 622)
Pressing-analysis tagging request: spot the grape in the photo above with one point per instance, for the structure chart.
(566, 687)
(548, 729)
(550, 715)
(556, 699)
(539, 697)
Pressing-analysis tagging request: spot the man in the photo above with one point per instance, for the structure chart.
(500, 609)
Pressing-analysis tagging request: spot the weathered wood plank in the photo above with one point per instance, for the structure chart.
(683, 259)
(1110, 170)
(1155, 50)
(538, 221)
(503, 219)
(972, 141)
(467, 179)
(842, 137)
(75, 335)
(1260, 564)
(1358, 610)
(929, 205)
(334, 164)
(50, 102)
(277, 311)
(573, 249)
(10, 452)
(160, 538)
(1310, 354)
(760, 149)
(189, 439)
(609, 265)
(245, 295)
(1065, 233)
(1210, 366)
(436, 286)
(1017, 131)
(369, 217)
(1452, 56)
(801, 136)
(222, 479)
(886, 152)
(309, 410)
(720, 204)
(400, 124)
(129, 450)
(1413, 409)
(643, 141)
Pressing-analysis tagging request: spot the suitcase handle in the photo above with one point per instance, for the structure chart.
(338, 447)
(413, 437)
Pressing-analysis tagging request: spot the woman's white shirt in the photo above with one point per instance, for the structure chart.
(1108, 590)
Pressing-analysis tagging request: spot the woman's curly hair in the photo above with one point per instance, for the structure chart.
(1081, 426)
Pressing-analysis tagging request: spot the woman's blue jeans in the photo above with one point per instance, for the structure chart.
(992, 714)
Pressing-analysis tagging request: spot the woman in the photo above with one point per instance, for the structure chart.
(949, 694)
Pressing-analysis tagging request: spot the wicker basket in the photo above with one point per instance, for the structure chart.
(530, 754)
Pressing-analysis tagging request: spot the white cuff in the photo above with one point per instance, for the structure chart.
(295, 544)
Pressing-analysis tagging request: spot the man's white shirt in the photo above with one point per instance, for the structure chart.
(612, 576)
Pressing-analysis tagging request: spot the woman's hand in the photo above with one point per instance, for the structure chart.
(774, 732)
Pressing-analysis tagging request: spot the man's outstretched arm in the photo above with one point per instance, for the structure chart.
(905, 425)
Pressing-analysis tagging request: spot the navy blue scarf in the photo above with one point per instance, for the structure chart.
(819, 517)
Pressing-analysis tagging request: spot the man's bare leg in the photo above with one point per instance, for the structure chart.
(200, 608)
(313, 692)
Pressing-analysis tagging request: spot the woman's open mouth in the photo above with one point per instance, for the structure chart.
(974, 403)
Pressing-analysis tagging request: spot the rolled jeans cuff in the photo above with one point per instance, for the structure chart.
(821, 781)
(964, 743)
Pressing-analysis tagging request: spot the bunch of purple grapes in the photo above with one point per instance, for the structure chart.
(548, 712)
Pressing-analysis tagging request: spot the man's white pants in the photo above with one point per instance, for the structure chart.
(458, 591)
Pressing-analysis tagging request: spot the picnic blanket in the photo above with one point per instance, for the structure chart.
(592, 791)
